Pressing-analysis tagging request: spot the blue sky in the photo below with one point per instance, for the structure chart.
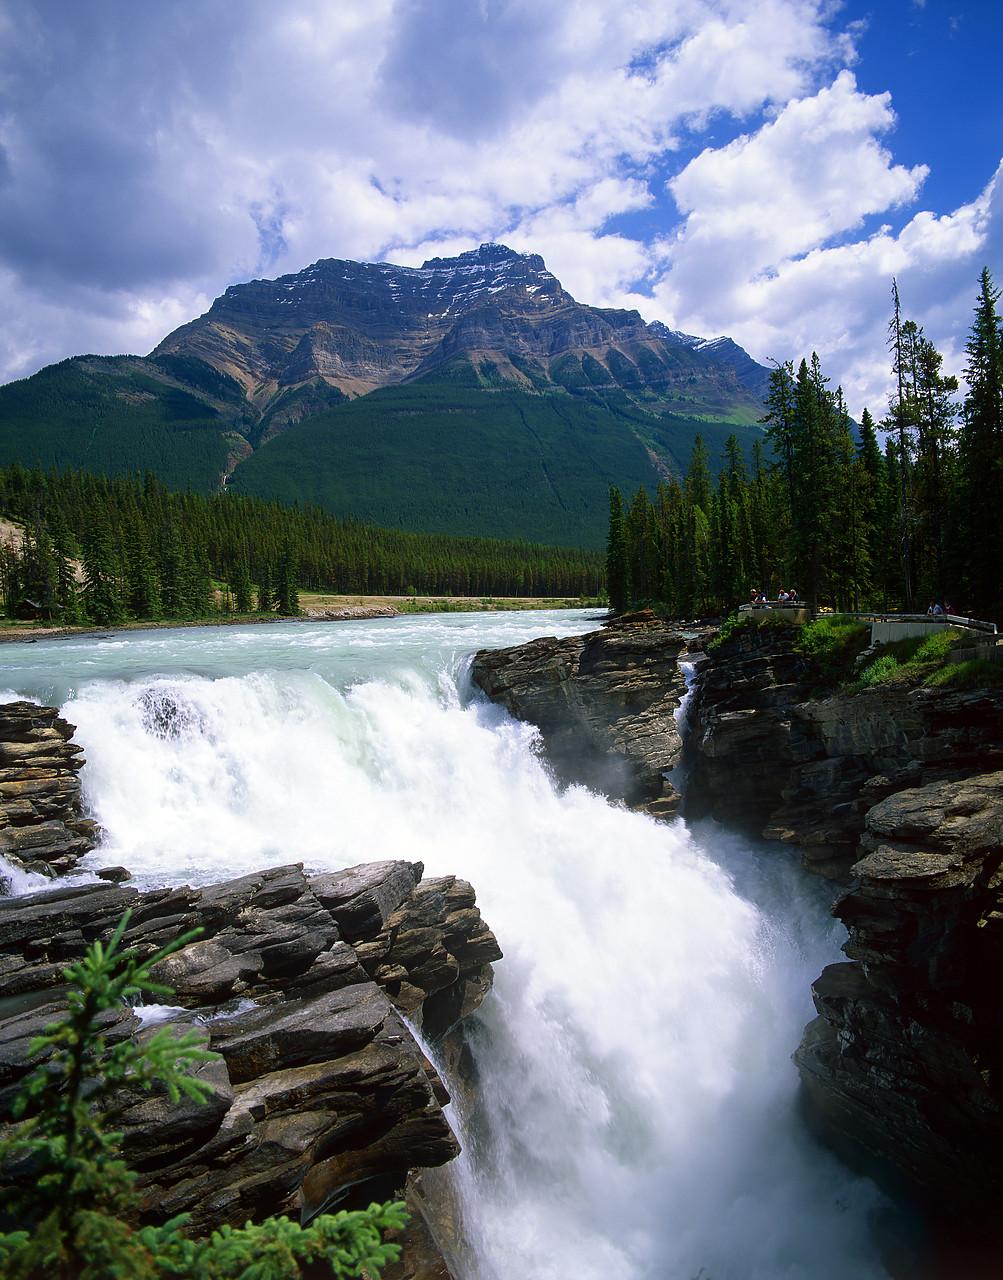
(760, 168)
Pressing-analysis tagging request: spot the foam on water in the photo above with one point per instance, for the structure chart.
(637, 1116)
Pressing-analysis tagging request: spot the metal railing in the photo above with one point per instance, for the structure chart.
(949, 619)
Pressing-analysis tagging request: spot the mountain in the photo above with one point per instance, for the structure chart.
(753, 376)
(357, 326)
(470, 395)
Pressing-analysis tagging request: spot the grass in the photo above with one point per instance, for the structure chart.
(911, 660)
(925, 659)
(974, 674)
(831, 646)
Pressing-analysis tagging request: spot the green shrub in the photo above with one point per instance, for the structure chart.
(880, 669)
(974, 674)
(732, 625)
(74, 1193)
(831, 646)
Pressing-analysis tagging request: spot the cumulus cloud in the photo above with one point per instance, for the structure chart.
(767, 252)
(150, 155)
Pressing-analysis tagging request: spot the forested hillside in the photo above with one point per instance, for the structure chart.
(148, 553)
(832, 514)
(112, 416)
(442, 455)
(471, 396)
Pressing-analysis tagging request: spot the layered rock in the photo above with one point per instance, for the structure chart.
(896, 791)
(42, 824)
(361, 325)
(905, 1060)
(322, 1097)
(604, 703)
(769, 759)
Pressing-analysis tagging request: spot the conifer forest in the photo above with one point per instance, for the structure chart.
(820, 507)
(147, 553)
(823, 509)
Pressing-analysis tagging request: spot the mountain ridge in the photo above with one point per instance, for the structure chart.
(472, 395)
(357, 326)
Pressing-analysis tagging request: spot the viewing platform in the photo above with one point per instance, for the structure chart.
(984, 640)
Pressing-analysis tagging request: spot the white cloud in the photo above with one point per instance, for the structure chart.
(814, 172)
(771, 249)
(152, 155)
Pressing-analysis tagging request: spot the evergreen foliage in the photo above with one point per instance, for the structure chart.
(979, 533)
(149, 554)
(72, 1198)
(107, 415)
(616, 560)
(830, 514)
(440, 456)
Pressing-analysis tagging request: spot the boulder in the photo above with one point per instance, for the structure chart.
(605, 706)
(322, 1097)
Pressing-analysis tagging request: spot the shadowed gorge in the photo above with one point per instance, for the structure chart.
(623, 1098)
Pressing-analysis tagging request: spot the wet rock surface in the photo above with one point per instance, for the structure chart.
(604, 704)
(42, 825)
(896, 793)
(322, 1097)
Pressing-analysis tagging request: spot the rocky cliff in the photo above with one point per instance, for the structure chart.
(42, 825)
(897, 794)
(322, 1097)
(905, 1061)
(605, 706)
(770, 759)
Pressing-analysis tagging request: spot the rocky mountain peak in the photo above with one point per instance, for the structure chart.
(491, 254)
(340, 327)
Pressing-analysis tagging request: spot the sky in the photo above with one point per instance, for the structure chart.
(757, 168)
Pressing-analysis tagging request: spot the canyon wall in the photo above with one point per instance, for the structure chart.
(895, 794)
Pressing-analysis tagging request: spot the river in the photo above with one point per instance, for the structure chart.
(638, 1104)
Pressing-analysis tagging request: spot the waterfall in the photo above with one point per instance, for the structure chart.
(637, 1105)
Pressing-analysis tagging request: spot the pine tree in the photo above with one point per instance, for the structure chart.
(642, 555)
(240, 584)
(880, 509)
(698, 483)
(935, 410)
(850, 556)
(779, 422)
(266, 600)
(64, 552)
(813, 431)
(286, 595)
(616, 554)
(142, 580)
(901, 420)
(981, 455)
(102, 592)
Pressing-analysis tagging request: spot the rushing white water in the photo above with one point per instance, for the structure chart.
(637, 1117)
